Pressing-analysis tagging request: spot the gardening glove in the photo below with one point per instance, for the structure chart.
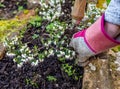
(91, 41)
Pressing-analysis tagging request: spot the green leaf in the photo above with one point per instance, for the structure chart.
(1, 5)
(108, 1)
(35, 36)
(50, 26)
(20, 8)
(51, 78)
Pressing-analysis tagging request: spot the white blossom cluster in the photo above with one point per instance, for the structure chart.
(51, 9)
(56, 30)
(21, 54)
(91, 15)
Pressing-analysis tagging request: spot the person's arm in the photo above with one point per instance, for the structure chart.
(101, 35)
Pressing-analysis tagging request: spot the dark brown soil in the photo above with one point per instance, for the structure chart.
(30, 77)
(10, 8)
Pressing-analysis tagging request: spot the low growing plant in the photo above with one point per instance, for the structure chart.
(35, 36)
(71, 72)
(35, 22)
(51, 78)
(1, 5)
(30, 82)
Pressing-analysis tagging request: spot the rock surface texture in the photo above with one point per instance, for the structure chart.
(102, 73)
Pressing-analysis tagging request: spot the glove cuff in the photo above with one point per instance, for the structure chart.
(97, 39)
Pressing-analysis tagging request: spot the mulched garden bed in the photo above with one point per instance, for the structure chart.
(50, 73)
(36, 77)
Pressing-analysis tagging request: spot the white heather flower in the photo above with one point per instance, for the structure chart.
(71, 57)
(73, 53)
(62, 42)
(20, 65)
(48, 18)
(23, 47)
(27, 49)
(62, 53)
(10, 54)
(53, 19)
(46, 52)
(23, 60)
(34, 63)
(46, 44)
(26, 59)
(58, 36)
(55, 42)
(24, 55)
(67, 56)
(30, 58)
(51, 51)
(50, 54)
(60, 27)
(97, 16)
(5, 44)
(46, 6)
(57, 14)
(58, 55)
(62, 32)
(54, 28)
(85, 18)
(15, 38)
(41, 60)
(89, 23)
(49, 42)
(61, 48)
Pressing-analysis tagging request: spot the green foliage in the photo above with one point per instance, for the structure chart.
(19, 50)
(20, 8)
(1, 5)
(108, 1)
(51, 78)
(71, 72)
(35, 36)
(36, 22)
(9, 26)
(30, 82)
(50, 26)
(62, 59)
(41, 56)
(68, 69)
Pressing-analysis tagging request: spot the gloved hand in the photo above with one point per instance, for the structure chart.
(82, 48)
(91, 41)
